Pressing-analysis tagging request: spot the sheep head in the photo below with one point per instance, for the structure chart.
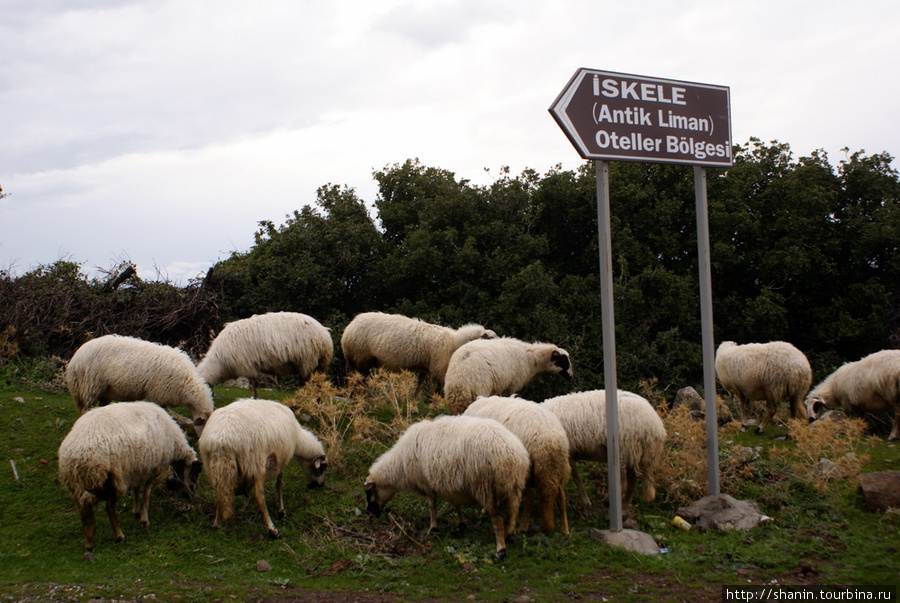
(560, 363)
(316, 471)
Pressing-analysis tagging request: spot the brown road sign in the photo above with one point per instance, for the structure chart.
(621, 117)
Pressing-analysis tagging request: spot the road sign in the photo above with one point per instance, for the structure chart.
(620, 117)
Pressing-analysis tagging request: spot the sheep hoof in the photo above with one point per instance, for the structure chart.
(433, 530)
(282, 514)
(120, 538)
(759, 431)
(274, 535)
(500, 555)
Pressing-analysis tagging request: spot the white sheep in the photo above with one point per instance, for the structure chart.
(276, 343)
(462, 460)
(770, 371)
(117, 448)
(547, 444)
(114, 367)
(249, 442)
(499, 366)
(868, 385)
(642, 437)
(396, 342)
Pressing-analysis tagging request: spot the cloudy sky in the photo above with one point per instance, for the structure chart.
(162, 132)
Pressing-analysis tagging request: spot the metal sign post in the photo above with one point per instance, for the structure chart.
(614, 116)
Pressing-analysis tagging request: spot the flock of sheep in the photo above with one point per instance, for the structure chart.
(495, 450)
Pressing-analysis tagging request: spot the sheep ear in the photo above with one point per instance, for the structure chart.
(200, 421)
(369, 486)
(818, 406)
(319, 466)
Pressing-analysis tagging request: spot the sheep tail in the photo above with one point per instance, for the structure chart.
(223, 473)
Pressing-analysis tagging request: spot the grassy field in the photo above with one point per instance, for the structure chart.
(331, 550)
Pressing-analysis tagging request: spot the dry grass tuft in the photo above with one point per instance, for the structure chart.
(826, 451)
(374, 408)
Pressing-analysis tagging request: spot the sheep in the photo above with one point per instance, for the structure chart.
(547, 444)
(868, 385)
(642, 437)
(770, 371)
(115, 367)
(396, 342)
(249, 442)
(277, 343)
(499, 366)
(121, 447)
(463, 460)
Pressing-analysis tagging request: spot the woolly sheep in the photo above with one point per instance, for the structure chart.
(396, 342)
(463, 460)
(770, 371)
(114, 367)
(499, 366)
(122, 447)
(547, 444)
(276, 343)
(642, 437)
(868, 385)
(250, 442)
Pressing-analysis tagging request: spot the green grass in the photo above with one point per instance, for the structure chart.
(329, 544)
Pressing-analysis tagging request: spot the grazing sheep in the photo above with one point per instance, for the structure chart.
(122, 447)
(547, 444)
(499, 366)
(642, 437)
(869, 385)
(113, 367)
(396, 343)
(463, 460)
(250, 442)
(276, 343)
(771, 371)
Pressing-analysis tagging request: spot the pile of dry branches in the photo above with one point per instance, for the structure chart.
(52, 310)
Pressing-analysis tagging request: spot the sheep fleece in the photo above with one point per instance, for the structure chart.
(397, 342)
(113, 367)
(277, 343)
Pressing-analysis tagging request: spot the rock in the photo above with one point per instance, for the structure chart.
(688, 396)
(632, 540)
(881, 490)
(722, 512)
(263, 566)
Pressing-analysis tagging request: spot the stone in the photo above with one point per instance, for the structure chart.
(881, 490)
(722, 512)
(632, 540)
(688, 396)
(263, 566)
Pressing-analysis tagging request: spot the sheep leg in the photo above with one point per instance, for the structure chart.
(770, 413)
(142, 504)
(279, 489)
(88, 525)
(512, 513)
(548, 523)
(895, 431)
(500, 535)
(563, 515)
(113, 519)
(260, 495)
(741, 403)
(252, 383)
(525, 510)
(432, 513)
(576, 477)
(629, 478)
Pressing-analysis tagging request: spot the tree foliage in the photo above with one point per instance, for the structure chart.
(801, 251)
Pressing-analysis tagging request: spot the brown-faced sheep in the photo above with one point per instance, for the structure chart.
(250, 442)
(772, 371)
(499, 366)
(117, 448)
(463, 460)
(642, 437)
(113, 367)
(547, 444)
(396, 342)
(869, 385)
